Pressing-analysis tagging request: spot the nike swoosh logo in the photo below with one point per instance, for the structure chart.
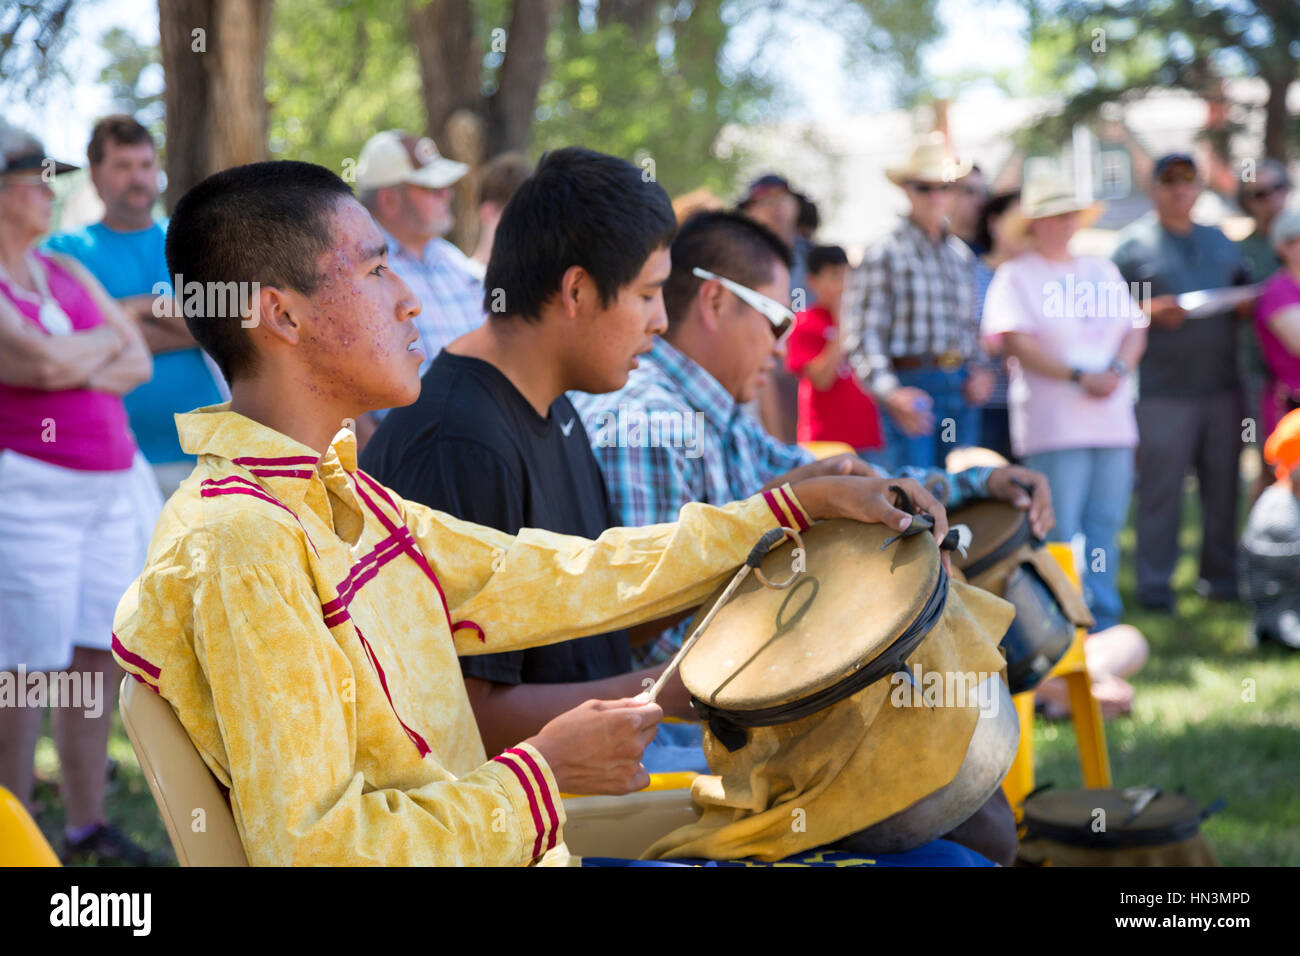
(568, 427)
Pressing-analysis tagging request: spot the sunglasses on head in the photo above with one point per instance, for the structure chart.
(776, 314)
(924, 188)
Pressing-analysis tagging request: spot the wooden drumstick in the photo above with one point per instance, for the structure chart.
(756, 556)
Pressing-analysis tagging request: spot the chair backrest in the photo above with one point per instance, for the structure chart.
(181, 783)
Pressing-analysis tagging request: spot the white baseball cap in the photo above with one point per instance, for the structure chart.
(392, 157)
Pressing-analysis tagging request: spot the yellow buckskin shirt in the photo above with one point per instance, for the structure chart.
(304, 623)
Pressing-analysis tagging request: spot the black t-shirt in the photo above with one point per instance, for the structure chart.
(473, 447)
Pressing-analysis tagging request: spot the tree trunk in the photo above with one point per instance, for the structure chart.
(510, 111)
(1276, 117)
(213, 53)
(185, 94)
(449, 57)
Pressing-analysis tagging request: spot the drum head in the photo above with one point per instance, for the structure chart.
(771, 647)
(1076, 817)
(995, 526)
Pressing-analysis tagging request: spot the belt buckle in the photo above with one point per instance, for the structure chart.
(950, 360)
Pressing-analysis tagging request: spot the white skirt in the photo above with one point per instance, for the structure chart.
(71, 543)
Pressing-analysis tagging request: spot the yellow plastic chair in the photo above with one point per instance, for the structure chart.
(21, 841)
(193, 808)
(1085, 712)
(827, 449)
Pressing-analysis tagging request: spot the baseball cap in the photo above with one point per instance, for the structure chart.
(1173, 159)
(769, 182)
(21, 152)
(393, 157)
(1285, 227)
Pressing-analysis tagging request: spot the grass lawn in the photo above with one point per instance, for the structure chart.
(1212, 714)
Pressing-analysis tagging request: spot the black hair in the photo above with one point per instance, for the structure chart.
(809, 218)
(993, 207)
(729, 244)
(824, 257)
(265, 223)
(580, 208)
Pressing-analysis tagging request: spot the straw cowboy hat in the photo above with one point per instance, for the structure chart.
(931, 161)
(1047, 196)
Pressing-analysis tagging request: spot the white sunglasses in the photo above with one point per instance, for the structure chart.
(778, 315)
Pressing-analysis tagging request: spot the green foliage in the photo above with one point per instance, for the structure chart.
(128, 76)
(1098, 51)
(33, 36)
(338, 71)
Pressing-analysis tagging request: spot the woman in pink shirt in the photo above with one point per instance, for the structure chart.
(1277, 319)
(1073, 334)
(77, 503)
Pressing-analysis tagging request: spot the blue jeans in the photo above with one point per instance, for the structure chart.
(1091, 488)
(956, 424)
(676, 747)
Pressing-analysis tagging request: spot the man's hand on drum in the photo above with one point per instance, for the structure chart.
(871, 500)
(844, 464)
(1008, 483)
(596, 747)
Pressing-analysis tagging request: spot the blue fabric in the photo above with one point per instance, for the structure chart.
(1091, 488)
(676, 747)
(134, 263)
(929, 451)
(935, 853)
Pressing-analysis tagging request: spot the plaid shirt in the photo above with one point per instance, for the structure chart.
(910, 296)
(673, 435)
(450, 294)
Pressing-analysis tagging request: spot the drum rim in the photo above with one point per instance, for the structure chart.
(729, 724)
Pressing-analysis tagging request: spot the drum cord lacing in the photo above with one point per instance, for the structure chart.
(729, 726)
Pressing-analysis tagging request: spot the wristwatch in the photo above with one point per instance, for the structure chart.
(1076, 375)
(1119, 367)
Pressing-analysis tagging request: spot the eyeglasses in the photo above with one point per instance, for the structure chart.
(776, 314)
(1263, 192)
(925, 188)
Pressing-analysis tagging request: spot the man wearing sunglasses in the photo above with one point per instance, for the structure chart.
(726, 300)
(909, 322)
(1189, 408)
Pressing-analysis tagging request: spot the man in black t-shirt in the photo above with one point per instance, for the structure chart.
(492, 438)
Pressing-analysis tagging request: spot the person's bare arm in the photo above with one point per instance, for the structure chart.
(162, 333)
(507, 713)
(133, 365)
(1132, 347)
(1285, 324)
(32, 359)
(824, 369)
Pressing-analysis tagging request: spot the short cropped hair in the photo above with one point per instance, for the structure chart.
(119, 129)
(580, 208)
(825, 257)
(266, 223)
(502, 175)
(729, 244)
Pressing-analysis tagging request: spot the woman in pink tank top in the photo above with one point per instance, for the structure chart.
(77, 501)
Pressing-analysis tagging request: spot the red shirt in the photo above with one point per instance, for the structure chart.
(843, 412)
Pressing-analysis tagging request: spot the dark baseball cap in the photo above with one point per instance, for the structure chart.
(763, 184)
(1173, 159)
(28, 155)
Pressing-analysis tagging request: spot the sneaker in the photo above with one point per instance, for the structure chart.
(107, 845)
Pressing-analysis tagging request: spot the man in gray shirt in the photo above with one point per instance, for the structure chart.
(1189, 409)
